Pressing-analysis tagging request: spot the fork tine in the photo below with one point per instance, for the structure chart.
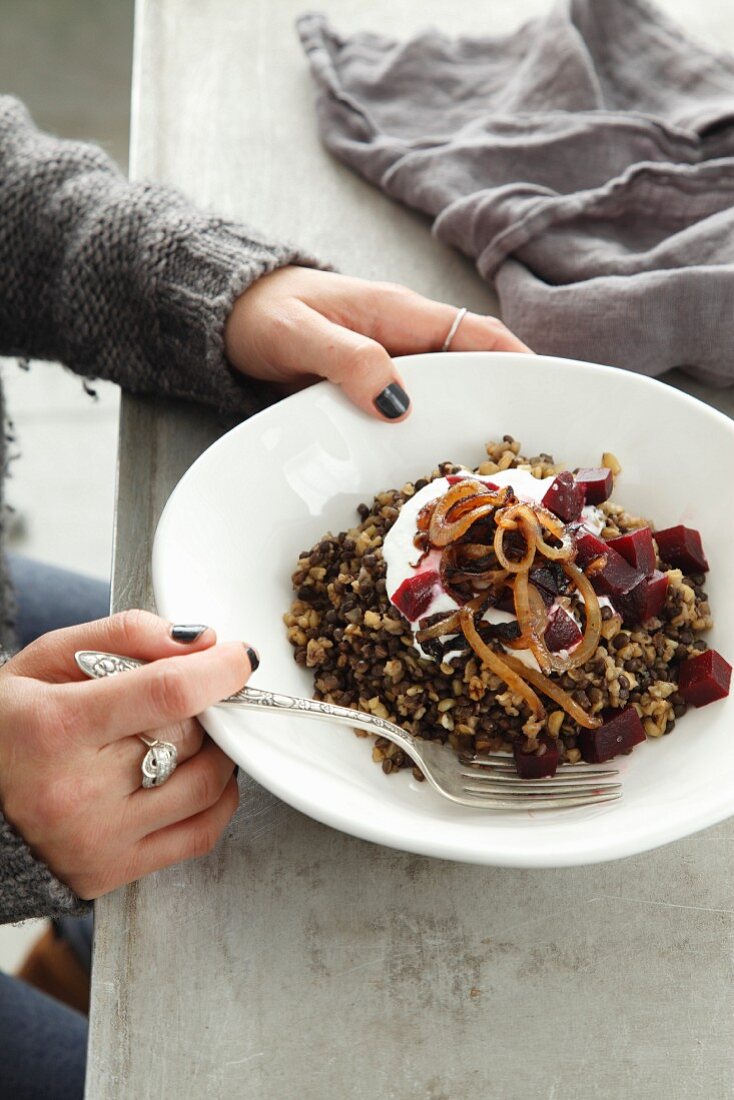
(537, 802)
(493, 758)
(505, 765)
(559, 783)
(518, 795)
(560, 797)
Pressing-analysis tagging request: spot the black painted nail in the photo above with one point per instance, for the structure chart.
(186, 634)
(393, 401)
(252, 657)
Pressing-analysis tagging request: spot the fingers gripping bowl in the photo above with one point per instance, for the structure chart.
(270, 489)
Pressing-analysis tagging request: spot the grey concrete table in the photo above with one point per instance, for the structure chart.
(296, 963)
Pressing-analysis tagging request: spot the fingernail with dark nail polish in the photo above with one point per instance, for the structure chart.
(236, 771)
(187, 633)
(393, 401)
(252, 657)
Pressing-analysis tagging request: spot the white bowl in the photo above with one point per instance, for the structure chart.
(231, 533)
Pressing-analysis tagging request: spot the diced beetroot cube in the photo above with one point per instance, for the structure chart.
(588, 547)
(704, 678)
(637, 549)
(645, 600)
(531, 766)
(564, 498)
(615, 577)
(414, 595)
(454, 478)
(597, 484)
(620, 733)
(681, 547)
(562, 631)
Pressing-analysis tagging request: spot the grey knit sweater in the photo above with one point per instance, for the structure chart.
(121, 281)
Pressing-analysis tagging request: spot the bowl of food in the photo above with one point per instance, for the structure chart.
(535, 563)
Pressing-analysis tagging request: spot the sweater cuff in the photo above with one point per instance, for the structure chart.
(203, 276)
(27, 886)
(146, 286)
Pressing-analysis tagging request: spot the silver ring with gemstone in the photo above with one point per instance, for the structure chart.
(159, 762)
(461, 314)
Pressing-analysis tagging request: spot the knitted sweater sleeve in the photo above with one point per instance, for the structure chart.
(123, 281)
(27, 887)
(119, 280)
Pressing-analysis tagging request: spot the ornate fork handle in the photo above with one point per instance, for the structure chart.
(250, 698)
(96, 665)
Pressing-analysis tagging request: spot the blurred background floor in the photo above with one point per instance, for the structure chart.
(69, 61)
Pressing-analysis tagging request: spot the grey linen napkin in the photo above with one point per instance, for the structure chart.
(586, 162)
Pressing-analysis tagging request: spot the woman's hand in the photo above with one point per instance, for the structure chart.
(70, 779)
(297, 325)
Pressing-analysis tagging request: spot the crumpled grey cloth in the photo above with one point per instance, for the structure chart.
(586, 162)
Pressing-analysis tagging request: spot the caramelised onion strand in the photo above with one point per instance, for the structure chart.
(533, 619)
(556, 528)
(549, 521)
(592, 631)
(473, 551)
(537, 608)
(537, 517)
(423, 519)
(421, 558)
(493, 578)
(525, 562)
(554, 692)
(500, 665)
(524, 517)
(449, 625)
(460, 565)
(509, 517)
(471, 504)
(556, 553)
(442, 531)
(452, 496)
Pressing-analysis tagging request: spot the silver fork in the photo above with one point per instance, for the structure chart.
(485, 782)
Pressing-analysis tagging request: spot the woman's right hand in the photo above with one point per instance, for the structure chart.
(70, 778)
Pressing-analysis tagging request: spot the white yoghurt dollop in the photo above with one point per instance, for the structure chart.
(401, 555)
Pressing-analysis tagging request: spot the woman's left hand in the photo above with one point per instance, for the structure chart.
(297, 325)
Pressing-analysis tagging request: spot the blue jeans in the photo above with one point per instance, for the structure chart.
(43, 1043)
